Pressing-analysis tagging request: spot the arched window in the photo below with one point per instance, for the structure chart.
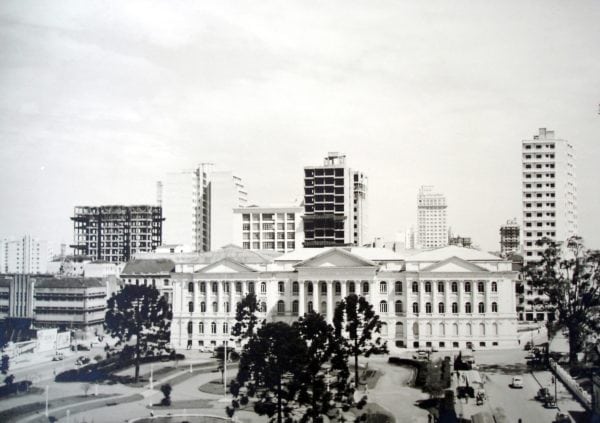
(280, 307)
(481, 329)
(494, 307)
(215, 287)
(455, 329)
(201, 328)
(383, 307)
(213, 328)
(323, 288)
(191, 287)
(281, 287)
(415, 328)
(440, 286)
(351, 287)
(495, 328)
(399, 330)
(215, 307)
(480, 286)
(429, 329)
(398, 307)
(263, 287)
(427, 286)
(384, 330)
(416, 308)
(469, 329)
(442, 329)
(190, 328)
(415, 286)
(494, 287)
(251, 287)
(467, 286)
(338, 288)
(263, 307)
(226, 306)
(238, 287)
(383, 287)
(441, 308)
(309, 306)
(481, 308)
(454, 287)
(428, 308)
(295, 306)
(398, 287)
(225, 328)
(191, 306)
(455, 308)
(202, 286)
(324, 307)
(309, 288)
(468, 308)
(295, 288)
(365, 287)
(203, 307)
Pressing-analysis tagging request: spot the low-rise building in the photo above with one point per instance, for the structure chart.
(155, 272)
(447, 298)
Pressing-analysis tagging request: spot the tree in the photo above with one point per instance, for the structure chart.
(355, 324)
(139, 312)
(166, 390)
(570, 279)
(4, 364)
(270, 371)
(324, 383)
(245, 316)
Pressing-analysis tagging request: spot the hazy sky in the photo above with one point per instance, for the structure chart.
(98, 101)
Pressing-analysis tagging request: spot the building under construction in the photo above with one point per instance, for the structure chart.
(115, 233)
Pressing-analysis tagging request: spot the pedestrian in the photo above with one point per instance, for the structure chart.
(429, 418)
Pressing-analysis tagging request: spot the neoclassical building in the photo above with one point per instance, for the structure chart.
(447, 298)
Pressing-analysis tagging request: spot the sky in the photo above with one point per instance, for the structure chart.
(99, 100)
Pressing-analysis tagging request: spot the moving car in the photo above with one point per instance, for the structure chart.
(82, 361)
(561, 418)
(517, 382)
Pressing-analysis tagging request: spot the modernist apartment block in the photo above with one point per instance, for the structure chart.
(51, 302)
(432, 226)
(269, 228)
(23, 255)
(549, 203)
(115, 233)
(335, 198)
(448, 298)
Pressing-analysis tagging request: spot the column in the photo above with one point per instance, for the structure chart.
(220, 296)
(316, 296)
(208, 290)
(232, 297)
(329, 301)
(244, 288)
(301, 310)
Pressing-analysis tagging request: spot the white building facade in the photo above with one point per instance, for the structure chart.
(448, 298)
(432, 225)
(549, 202)
(23, 255)
(276, 228)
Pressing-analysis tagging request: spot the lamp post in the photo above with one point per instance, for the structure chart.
(225, 369)
(151, 375)
(46, 400)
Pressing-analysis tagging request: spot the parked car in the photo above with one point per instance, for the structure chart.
(421, 355)
(542, 394)
(82, 361)
(83, 347)
(517, 382)
(561, 418)
(58, 357)
(528, 346)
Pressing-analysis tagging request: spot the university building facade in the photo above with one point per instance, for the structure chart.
(448, 298)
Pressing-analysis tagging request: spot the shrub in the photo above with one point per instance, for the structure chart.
(166, 389)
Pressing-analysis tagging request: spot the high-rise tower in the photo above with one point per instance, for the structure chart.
(432, 226)
(335, 197)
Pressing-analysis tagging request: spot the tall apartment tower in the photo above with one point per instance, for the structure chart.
(198, 206)
(509, 237)
(549, 201)
(432, 226)
(23, 255)
(335, 204)
(115, 233)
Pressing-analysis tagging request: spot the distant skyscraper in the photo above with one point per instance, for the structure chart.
(115, 233)
(335, 198)
(509, 237)
(23, 255)
(432, 227)
(198, 206)
(549, 191)
(549, 205)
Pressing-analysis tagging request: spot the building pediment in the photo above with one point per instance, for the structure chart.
(226, 266)
(454, 264)
(336, 258)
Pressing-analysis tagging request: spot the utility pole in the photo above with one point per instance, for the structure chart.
(225, 369)
(46, 400)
